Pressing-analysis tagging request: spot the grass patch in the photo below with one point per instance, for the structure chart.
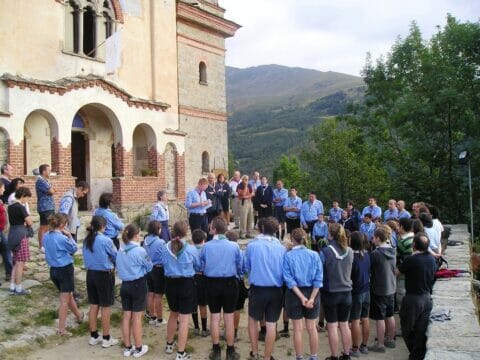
(41, 342)
(14, 330)
(77, 260)
(116, 318)
(45, 317)
(26, 322)
(16, 309)
(189, 349)
(81, 330)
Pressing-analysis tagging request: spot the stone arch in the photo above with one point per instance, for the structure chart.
(40, 134)
(202, 72)
(144, 149)
(170, 158)
(205, 162)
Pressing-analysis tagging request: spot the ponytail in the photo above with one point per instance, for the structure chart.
(179, 231)
(97, 224)
(129, 233)
(57, 220)
(338, 234)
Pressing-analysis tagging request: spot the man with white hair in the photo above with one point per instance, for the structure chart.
(402, 213)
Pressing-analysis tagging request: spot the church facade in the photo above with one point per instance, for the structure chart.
(158, 121)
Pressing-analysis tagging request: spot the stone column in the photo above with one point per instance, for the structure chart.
(79, 14)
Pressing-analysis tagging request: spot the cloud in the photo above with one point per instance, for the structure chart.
(330, 35)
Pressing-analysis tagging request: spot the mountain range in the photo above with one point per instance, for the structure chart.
(271, 108)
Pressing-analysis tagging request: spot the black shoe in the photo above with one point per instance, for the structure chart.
(344, 357)
(215, 354)
(232, 355)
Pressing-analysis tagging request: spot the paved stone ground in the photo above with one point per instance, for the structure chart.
(27, 326)
(458, 338)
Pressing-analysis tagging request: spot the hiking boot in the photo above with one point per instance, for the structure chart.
(215, 354)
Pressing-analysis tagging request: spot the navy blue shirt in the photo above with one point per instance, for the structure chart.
(360, 272)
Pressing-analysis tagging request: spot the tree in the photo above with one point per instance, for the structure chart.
(291, 174)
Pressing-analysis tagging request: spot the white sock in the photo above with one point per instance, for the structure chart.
(12, 286)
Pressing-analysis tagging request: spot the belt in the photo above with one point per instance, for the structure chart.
(194, 214)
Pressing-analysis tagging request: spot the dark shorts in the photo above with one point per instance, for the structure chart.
(180, 294)
(292, 224)
(101, 288)
(62, 277)
(265, 302)
(381, 306)
(337, 306)
(242, 295)
(294, 308)
(200, 291)
(279, 214)
(360, 306)
(134, 295)
(44, 215)
(156, 280)
(222, 293)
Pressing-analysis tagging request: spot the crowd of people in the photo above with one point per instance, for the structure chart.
(328, 270)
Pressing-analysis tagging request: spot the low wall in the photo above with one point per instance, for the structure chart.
(458, 338)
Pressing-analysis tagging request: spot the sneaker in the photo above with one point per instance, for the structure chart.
(376, 348)
(344, 357)
(215, 354)
(127, 352)
(196, 332)
(161, 323)
(147, 316)
(23, 291)
(233, 355)
(95, 341)
(253, 356)
(109, 342)
(355, 352)
(169, 347)
(390, 344)
(363, 349)
(205, 333)
(183, 356)
(141, 352)
(284, 333)
(152, 322)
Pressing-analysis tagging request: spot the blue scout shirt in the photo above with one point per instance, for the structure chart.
(114, 224)
(390, 215)
(183, 264)
(281, 194)
(160, 212)
(335, 214)
(310, 211)
(221, 258)
(103, 256)
(295, 202)
(368, 229)
(132, 262)
(45, 201)
(320, 229)
(155, 248)
(194, 197)
(404, 214)
(59, 249)
(302, 268)
(376, 211)
(264, 261)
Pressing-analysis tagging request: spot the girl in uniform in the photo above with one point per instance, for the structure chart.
(132, 265)
(99, 254)
(303, 275)
(180, 261)
(59, 250)
(160, 213)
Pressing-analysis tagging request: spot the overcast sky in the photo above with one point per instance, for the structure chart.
(330, 34)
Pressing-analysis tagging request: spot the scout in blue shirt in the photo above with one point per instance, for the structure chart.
(280, 195)
(402, 213)
(392, 212)
(319, 234)
(335, 213)
(59, 250)
(372, 209)
(161, 213)
(132, 266)
(292, 208)
(198, 238)
(197, 205)
(222, 263)
(368, 227)
(155, 248)
(45, 202)
(180, 261)
(310, 211)
(264, 264)
(99, 255)
(303, 275)
(114, 224)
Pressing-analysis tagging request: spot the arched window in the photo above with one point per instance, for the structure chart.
(205, 162)
(202, 69)
(87, 26)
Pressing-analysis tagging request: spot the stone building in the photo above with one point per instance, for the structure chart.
(146, 126)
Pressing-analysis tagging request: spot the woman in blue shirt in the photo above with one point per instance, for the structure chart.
(181, 262)
(303, 275)
(99, 254)
(132, 266)
(114, 224)
(155, 278)
(59, 250)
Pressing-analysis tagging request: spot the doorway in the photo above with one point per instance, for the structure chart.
(79, 163)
